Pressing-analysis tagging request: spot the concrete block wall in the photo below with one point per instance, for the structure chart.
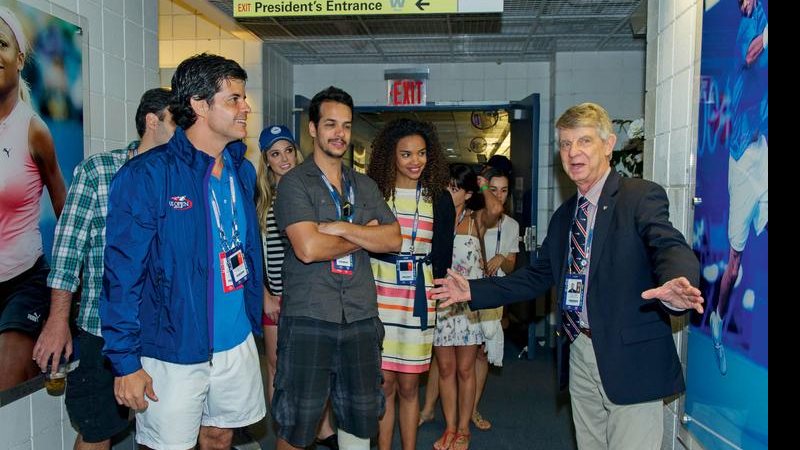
(487, 83)
(672, 93)
(614, 79)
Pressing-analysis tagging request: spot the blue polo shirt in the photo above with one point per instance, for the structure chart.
(231, 325)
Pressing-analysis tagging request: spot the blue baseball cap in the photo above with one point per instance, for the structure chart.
(273, 134)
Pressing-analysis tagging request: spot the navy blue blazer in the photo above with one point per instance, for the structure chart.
(634, 248)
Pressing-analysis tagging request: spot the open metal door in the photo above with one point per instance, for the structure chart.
(524, 118)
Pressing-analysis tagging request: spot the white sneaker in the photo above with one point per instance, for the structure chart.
(716, 335)
(715, 321)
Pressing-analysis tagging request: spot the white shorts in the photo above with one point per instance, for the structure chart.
(749, 193)
(227, 394)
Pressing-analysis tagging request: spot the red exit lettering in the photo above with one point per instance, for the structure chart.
(406, 92)
(243, 7)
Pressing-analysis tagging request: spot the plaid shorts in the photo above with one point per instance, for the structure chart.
(317, 360)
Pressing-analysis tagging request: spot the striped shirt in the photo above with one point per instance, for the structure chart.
(80, 235)
(273, 254)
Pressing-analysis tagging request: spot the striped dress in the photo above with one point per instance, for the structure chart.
(406, 347)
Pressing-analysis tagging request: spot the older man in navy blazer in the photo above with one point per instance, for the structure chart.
(615, 240)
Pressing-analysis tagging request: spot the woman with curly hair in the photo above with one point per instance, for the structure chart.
(410, 169)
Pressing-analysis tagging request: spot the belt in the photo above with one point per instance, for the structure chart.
(586, 331)
(420, 296)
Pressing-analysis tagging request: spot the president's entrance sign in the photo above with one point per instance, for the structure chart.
(299, 8)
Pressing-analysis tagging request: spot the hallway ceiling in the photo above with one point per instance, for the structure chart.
(527, 31)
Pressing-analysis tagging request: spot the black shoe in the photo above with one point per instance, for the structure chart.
(330, 442)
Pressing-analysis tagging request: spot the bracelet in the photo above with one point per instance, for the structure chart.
(484, 187)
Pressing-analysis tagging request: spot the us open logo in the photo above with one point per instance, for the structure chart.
(180, 202)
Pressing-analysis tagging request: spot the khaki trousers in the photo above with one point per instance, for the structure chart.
(601, 424)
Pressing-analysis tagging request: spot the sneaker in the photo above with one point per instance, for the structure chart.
(716, 336)
(715, 321)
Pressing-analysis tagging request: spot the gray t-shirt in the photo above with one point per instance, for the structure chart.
(313, 290)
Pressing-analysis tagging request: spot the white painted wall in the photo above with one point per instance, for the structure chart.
(464, 82)
(123, 63)
(672, 81)
(614, 79)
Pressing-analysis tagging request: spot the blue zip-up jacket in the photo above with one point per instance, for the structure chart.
(157, 286)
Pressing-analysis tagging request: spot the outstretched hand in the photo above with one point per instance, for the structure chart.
(678, 293)
(454, 289)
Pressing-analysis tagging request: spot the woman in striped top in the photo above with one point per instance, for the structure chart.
(409, 167)
(279, 154)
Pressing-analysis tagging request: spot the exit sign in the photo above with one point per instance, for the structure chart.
(407, 92)
(406, 87)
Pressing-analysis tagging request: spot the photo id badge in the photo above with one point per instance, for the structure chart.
(225, 274)
(574, 289)
(343, 265)
(237, 266)
(406, 275)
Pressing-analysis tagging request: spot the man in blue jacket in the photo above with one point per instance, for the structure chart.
(183, 270)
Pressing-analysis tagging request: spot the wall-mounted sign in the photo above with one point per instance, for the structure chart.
(407, 92)
(297, 8)
(406, 87)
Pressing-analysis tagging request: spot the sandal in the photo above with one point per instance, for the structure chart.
(424, 418)
(446, 441)
(479, 422)
(461, 441)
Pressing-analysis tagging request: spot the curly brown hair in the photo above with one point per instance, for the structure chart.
(383, 162)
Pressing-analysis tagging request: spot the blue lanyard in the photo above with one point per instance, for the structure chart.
(215, 208)
(415, 224)
(337, 199)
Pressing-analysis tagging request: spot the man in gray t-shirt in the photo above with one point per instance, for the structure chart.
(329, 334)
